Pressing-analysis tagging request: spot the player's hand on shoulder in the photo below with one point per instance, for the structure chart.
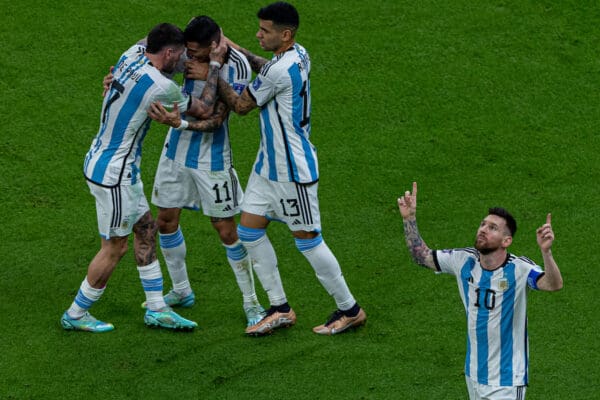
(160, 114)
(107, 81)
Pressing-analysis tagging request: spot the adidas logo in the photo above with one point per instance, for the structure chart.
(227, 208)
(297, 222)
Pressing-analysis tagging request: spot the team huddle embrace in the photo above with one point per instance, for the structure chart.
(195, 171)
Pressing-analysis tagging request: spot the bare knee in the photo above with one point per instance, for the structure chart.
(167, 220)
(226, 229)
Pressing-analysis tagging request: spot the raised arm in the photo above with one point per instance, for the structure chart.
(203, 107)
(420, 252)
(552, 278)
(256, 62)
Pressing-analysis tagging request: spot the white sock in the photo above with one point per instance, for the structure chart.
(242, 268)
(86, 297)
(152, 282)
(264, 262)
(327, 269)
(174, 251)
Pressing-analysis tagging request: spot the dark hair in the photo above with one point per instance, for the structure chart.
(164, 35)
(281, 13)
(202, 30)
(503, 213)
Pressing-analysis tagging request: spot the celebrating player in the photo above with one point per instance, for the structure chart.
(284, 180)
(493, 287)
(112, 170)
(196, 170)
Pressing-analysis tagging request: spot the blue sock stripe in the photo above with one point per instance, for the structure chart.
(152, 285)
(236, 253)
(83, 301)
(308, 244)
(171, 240)
(249, 234)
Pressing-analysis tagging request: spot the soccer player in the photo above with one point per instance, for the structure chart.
(493, 287)
(112, 170)
(196, 170)
(284, 181)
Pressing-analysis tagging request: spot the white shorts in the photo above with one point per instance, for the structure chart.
(295, 204)
(118, 208)
(478, 391)
(218, 193)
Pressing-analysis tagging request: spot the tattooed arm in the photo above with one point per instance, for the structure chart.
(158, 113)
(256, 62)
(241, 104)
(203, 106)
(419, 250)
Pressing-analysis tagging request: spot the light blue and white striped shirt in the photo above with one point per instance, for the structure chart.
(496, 307)
(115, 154)
(209, 151)
(282, 91)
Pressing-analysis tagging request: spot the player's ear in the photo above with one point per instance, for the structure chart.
(507, 241)
(287, 35)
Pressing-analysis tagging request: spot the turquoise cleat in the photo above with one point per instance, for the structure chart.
(86, 323)
(174, 299)
(254, 314)
(169, 319)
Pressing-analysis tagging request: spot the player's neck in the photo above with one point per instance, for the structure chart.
(155, 60)
(493, 260)
(284, 47)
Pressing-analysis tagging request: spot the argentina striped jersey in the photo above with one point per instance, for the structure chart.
(209, 151)
(282, 91)
(496, 307)
(115, 154)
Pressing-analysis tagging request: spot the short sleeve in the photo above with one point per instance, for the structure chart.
(262, 89)
(532, 278)
(172, 95)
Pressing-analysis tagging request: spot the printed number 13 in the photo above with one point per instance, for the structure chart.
(292, 209)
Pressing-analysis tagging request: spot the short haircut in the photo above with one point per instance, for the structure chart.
(503, 213)
(281, 13)
(164, 35)
(202, 30)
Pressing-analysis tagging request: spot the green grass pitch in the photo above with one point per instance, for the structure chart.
(483, 103)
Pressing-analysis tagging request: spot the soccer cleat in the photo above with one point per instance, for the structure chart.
(254, 314)
(86, 323)
(174, 299)
(338, 322)
(273, 319)
(169, 319)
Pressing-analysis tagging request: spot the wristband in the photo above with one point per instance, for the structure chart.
(214, 63)
(183, 125)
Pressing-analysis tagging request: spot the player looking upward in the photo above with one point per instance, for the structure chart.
(493, 287)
